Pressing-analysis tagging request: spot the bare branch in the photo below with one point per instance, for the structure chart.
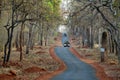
(103, 16)
(17, 6)
(87, 5)
(33, 19)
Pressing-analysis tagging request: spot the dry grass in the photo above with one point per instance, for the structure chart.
(111, 66)
(41, 60)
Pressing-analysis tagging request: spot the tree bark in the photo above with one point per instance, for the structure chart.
(9, 45)
(46, 37)
(29, 40)
(17, 42)
(5, 47)
(41, 39)
(21, 41)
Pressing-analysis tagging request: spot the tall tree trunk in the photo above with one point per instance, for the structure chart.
(104, 45)
(11, 31)
(88, 35)
(91, 36)
(117, 43)
(110, 44)
(17, 42)
(10, 42)
(83, 36)
(21, 41)
(5, 47)
(9, 39)
(41, 39)
(46, 37)
(29, 40)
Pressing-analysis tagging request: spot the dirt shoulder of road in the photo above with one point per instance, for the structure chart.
(109, 68)
(61, 68)
(40, 64)
(103, 70)
(99, 70)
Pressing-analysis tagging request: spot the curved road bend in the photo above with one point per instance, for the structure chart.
(76, 69)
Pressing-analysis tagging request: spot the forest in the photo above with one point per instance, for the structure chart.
(97, 21)
(31, 26)
(24, 22)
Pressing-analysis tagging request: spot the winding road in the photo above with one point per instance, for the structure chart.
(76, 69)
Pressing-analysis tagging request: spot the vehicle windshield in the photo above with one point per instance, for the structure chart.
(66, 42)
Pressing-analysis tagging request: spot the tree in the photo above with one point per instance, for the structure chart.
(14, 19)
(33, 13)
(108, 13)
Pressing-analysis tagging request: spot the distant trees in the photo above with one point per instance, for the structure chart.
(94, 17)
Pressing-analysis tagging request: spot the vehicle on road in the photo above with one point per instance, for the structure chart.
(66, 44)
